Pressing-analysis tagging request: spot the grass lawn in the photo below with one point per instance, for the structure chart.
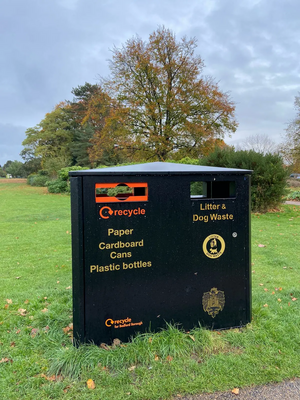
(38, 361)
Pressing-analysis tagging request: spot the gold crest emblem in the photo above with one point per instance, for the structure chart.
(213, 301)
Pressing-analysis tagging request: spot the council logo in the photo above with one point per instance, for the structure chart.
(213, 246)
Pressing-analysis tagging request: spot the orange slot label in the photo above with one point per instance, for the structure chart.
(120, 192)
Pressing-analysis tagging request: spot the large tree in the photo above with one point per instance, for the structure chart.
(50, 139)
(291, 146)
(163, 105)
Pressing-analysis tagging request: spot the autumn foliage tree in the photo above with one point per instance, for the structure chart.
(162, 105)
(155, 105)
(99, 116)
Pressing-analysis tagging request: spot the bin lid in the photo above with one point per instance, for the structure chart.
(161, 168)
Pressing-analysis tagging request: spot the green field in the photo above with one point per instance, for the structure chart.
(38, 361)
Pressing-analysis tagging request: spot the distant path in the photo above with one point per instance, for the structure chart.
(13, 180)
(288, 390)
(293, 203)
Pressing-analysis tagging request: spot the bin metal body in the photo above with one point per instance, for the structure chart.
(156, 243)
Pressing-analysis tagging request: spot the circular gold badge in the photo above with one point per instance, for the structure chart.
(213, 246)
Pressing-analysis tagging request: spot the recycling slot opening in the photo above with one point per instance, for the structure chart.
(120, 192)
(212, 190)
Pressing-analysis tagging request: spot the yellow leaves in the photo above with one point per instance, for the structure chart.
(192, 337)
(9, 301)
(52, 378)
(132, 368)
(90, 384)
(168, 358)
(44, 310)
(261, 245)
(69, 287)
(22, 312)
(280, 300)
(235, 391)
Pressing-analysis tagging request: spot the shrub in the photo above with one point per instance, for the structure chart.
(188, 160)
(61, 184)
(58, 186)
(63, 173)
(39, 179)
(268, 180)
(294, 195)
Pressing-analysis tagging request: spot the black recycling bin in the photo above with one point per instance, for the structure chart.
(159, 242)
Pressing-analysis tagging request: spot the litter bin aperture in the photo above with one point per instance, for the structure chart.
(159, 242)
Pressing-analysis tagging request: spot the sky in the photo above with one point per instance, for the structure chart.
(48, 47)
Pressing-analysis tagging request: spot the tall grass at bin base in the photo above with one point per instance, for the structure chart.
(39, 360)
